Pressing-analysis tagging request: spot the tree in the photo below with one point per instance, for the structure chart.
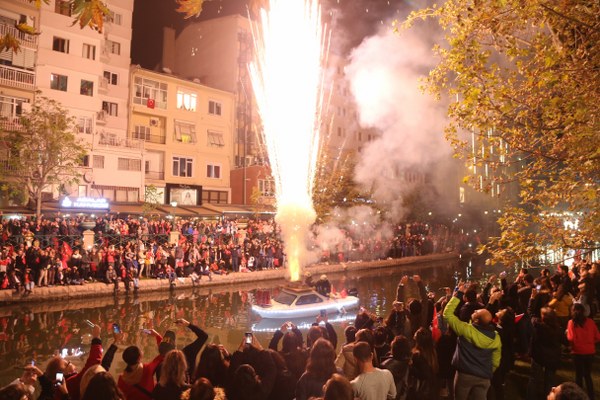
(152, 199)
(44, 152)
(524, 81)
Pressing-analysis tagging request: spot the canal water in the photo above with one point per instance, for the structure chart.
(36, 332)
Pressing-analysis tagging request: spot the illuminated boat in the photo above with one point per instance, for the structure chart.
(297, 302)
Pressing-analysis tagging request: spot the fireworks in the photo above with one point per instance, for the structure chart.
(287, 78)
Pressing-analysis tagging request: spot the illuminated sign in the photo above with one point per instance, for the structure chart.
(85, 203)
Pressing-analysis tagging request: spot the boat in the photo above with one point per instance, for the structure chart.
(303, 301)
(270, 325)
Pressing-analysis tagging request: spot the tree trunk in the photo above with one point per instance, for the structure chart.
(38, 205)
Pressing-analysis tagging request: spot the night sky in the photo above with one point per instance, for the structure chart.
(356, 18)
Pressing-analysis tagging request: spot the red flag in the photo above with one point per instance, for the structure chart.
(436, 333)
(150, 103)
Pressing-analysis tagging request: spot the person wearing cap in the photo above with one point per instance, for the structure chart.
(323, 286)
(478, 350)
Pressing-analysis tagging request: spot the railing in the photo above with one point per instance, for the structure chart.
(11, 124)
(116, 141)
(160, 175)
(7, 168)
(16, 77)
(24, 39)
(149, 138)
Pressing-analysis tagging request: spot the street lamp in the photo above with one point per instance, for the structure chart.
(174, 205)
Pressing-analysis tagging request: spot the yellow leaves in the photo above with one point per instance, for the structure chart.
(27, 29)
(90, 13)
(9, 42)
(191, 8)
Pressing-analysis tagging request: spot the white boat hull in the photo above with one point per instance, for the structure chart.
(282, 311)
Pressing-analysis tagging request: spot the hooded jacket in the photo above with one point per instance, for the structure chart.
(478, 350)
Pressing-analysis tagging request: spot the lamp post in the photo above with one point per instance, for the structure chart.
(174, 205)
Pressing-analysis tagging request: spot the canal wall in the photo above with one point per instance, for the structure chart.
(96, 293)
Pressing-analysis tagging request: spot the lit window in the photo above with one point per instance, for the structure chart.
(186, 100)
(150, 93)
(89, 51)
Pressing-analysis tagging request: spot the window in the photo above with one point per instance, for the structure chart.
(60, 44)
(113, 47)
(141, 132)
(215, 139)
(58, 82)
(116, 18)
(213, 171)
(98, 162)
(63, 7)
(185, 132)
(309, 299)
(11, 107)
(186, 100)
(129, 164)
(214, 107)
(214, 197)
(266, 187)
(150, 93)
(84, 125)
(86, 88)
(111, 78)
(89, 51)
(183, 167)
(110, 108)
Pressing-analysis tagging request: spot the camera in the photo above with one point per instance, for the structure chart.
(116, 328)
(59, 378)
(248, 336)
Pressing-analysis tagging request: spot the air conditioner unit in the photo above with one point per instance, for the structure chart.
(154, 122)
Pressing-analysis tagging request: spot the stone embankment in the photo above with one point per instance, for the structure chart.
(242, 281)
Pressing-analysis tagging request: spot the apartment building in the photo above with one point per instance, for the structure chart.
(188, 134)
(17, 69)
(88, 73)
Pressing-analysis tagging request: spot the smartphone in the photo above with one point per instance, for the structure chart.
(323, 313)
(146, 331)
(289, 326)
(89, 323)
(248, 337)
(539, 287)
(59, 377)
(116, 328)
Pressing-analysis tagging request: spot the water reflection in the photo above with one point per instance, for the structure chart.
(40, 331)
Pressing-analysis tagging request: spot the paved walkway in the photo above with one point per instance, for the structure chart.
(251, 280)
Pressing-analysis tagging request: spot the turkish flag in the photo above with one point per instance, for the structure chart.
(150, 103)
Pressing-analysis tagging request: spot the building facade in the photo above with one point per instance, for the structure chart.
(187, 129)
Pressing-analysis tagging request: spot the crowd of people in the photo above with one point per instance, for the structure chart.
(459, 346)
(51, 252)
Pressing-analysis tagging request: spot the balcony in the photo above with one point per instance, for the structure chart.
(11, 124)
(7, 169)
(148, 138)
(112, 140)
(17, 78)
(25, 40)
(158, 175)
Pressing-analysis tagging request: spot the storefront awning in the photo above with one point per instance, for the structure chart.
(202, 212)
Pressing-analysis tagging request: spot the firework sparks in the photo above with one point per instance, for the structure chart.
(287, 78)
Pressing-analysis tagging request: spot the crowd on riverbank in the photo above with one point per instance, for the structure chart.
(459, 346)
(51, 252)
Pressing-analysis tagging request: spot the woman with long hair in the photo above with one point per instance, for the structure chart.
(424, 365)
(213, 365)
(583, 335)
(102, 386)
(319, 368)
(173, 377)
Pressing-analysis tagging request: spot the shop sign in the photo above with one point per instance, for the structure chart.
(87, 203)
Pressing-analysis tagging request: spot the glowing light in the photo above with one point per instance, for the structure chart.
(287, 77)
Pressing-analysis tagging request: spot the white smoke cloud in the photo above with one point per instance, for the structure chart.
(385, 73)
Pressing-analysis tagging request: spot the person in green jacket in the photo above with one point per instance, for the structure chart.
(478, 350)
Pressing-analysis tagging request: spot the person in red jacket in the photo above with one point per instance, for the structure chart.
(137, 381)
(583, 335)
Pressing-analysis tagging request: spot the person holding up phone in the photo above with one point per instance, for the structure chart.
(60, 380)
